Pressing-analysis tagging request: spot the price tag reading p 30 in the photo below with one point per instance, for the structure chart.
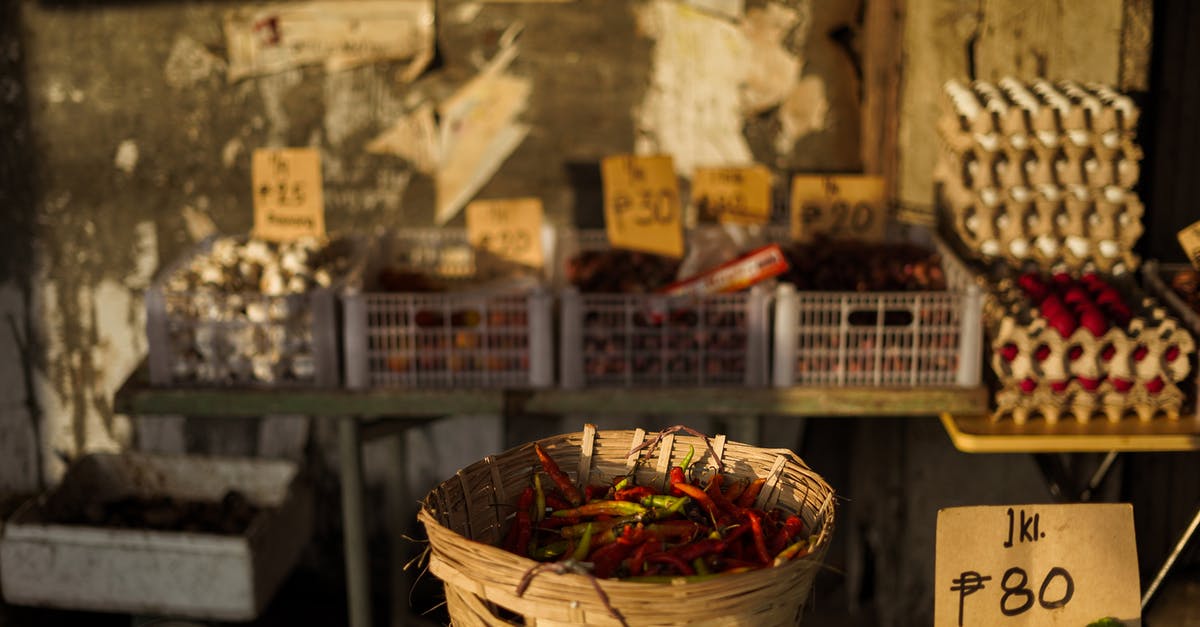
(510, 229)
(840, 207)
(641, 204)
(288, 200)
(1035, 565)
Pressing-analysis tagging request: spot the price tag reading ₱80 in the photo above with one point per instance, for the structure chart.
(844, 206)
(1036, 565)
(641, 204)
(289, 203)
(738, 195)
(1189, 239)
(510, 229)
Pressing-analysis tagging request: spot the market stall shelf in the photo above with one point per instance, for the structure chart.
(978, 433)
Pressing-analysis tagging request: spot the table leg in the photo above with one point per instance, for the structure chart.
(1170, 563)
(354, 533)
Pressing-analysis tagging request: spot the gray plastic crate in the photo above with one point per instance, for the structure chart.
(166, 573)
(631, 340)
(208, 337)
(881, 339)
(1152, 276)
(473, 338)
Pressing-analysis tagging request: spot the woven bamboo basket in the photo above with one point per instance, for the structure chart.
(465, 523)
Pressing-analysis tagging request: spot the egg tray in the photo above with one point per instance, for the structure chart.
(1157, 278)
(980, 169)
(1030, 359)
(1066, 116)
(1049, 226)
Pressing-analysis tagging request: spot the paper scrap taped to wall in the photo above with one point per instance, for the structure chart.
(272, 38)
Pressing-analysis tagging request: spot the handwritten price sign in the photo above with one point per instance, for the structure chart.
(641, 204)
(846, 206)
(510, 229)
(1035, 565)
(288, 198)
(733, 195)
(1189, 239)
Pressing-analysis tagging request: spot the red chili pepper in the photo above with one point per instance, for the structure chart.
(633, 494)
(760, 544)
(676, 530)
(593, 492)
(554, 501)
(700, 497)
(735, 533)
(788, 530)
(556, 523)
(735, 490)
(561, 479)
(638, 559)
(525, 501)
(681, 567)
(746, 499)
(692, 550)
(714, 493)
(676, 476)
(606, 559)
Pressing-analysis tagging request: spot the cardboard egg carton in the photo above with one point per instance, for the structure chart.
(1109, 368)
(978, 168)
(1046, 225)
(1066, 116)
(1073, 401)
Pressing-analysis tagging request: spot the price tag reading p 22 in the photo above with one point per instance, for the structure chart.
(1026, 565)
(840, 207)
(510, 229)
(288, 200)
(641, 204)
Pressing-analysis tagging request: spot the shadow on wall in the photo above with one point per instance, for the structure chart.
(20, 454)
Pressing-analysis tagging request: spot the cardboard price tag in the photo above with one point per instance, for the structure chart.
(1189, 239)
(289, 201)
(641, 204)
(508, 228)
(1044, 565)
(844, 206)
(738, 195)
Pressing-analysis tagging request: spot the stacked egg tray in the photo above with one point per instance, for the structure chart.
(437, 312)
(236, 311)
(1042, 172)
(1177, 285)
(1085, 347)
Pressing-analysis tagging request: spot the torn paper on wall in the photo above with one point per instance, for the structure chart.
(691, 109)
(276, 37)
(479, 130)
(727, 8)
(773, 70)
(414, 138)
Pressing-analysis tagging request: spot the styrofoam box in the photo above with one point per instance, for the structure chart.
(881, 339)
(637, 340)
(205, 576)
(300, 328)
(474, 337)
(1153, 274)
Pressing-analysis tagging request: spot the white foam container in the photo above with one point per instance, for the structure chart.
(188, 575)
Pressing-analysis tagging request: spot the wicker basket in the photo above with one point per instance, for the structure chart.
(465, 524)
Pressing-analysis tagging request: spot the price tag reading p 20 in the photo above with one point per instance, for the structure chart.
(510, 229)
(288, 199)
(840, 207)
(641, 204)
(1025, 565)
(1189, 239)
(738, 195)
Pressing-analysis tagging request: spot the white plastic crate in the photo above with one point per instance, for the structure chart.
(165, 573)
(474, 338)
(208, 337)
(881, 339)
(629, 340)
(1153, 274)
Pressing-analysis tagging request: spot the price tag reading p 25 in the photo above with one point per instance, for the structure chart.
(641, 204)
(510, 229)
(1026, 565)
(737, 195)
(1189, 239)
(288, 199)
(840, 207)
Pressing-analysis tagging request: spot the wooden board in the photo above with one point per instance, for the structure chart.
(978, 434)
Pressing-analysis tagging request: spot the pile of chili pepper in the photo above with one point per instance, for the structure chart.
(697, 528)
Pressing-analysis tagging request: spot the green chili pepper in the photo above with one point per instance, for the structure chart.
(602, 508)
(664, 501)
(584, 546)
(700, 566)
(622, 484)
(687, 461)
(539, 504)
(551, 551)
